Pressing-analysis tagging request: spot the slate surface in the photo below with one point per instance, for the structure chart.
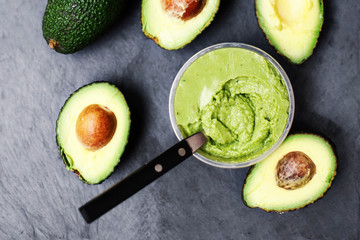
(39, 198)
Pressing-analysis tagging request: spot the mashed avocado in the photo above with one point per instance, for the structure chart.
(237, 98)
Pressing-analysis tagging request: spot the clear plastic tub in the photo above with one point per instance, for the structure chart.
(269, 59)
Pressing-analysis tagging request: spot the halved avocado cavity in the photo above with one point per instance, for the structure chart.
(92, 131)
(174, 23)
(291, 26)
(296, 174)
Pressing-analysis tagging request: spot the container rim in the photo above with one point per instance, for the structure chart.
(269, 59)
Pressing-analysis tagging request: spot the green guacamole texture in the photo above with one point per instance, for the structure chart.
(237, 98)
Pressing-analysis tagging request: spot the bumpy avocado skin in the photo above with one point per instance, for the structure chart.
(67, 159)
(329, 180)
(69, 26)
(269, 37)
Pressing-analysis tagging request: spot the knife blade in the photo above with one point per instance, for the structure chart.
(141, 177)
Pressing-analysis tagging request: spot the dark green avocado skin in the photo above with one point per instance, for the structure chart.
(70, 25)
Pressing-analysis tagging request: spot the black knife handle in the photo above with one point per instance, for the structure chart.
(135, 182)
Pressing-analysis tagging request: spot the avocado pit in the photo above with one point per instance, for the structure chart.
(95, 126)
(294, 170)
(183, 9)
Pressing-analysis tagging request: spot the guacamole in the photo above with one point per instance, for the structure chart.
(237, 98)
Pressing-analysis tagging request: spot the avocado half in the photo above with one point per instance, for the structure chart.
(93, 164)
(263, 189)
(169, 24)
(291, 26)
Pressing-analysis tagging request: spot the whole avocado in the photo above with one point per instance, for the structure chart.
(69, 26)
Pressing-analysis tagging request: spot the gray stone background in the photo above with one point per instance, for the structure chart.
(39, 198)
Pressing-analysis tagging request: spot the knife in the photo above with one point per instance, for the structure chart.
(141, 177)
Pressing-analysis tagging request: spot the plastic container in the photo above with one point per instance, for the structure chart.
(269, 59)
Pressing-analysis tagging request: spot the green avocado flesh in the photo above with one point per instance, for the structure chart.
(237, 98)
(261, 189)
(291, 26)
(69, 26)
(92, 166)
(171, 32)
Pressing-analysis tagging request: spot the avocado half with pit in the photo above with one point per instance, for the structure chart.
(92, 131)
(296, 174)
(174, 23)
(291, 26)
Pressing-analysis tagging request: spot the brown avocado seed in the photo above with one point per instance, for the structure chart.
(183, 9)
(95, 126)
(294, 170)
